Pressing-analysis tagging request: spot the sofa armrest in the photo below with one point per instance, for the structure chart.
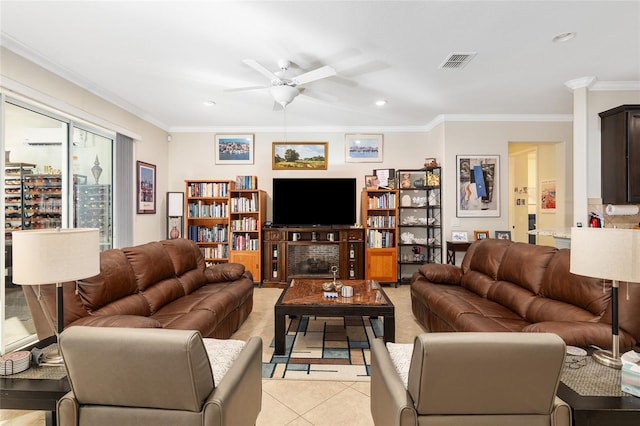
(441, 273)
(69, 408)
(390, 402)
(224, 272)
(583, 333)
(560, 413)
(237, 398)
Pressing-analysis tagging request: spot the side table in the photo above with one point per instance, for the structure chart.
(455, 246)
(34, 394)
(601, 410)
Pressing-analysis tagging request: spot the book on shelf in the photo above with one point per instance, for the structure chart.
(246, 182)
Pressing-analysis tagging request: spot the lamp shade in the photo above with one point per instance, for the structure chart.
(46, 256)
(606, 253)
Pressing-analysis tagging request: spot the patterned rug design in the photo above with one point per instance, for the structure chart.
(325, 348)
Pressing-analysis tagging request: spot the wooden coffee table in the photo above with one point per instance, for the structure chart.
(306, 297)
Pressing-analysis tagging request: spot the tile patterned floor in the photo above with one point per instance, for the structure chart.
(293, 402)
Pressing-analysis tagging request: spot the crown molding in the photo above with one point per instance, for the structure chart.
(580, 83)
(616, 86)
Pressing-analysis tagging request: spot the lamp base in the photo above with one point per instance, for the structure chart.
(53, 356)
(607, 359)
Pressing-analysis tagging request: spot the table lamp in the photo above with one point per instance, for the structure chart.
(55, 255)
(609, 254)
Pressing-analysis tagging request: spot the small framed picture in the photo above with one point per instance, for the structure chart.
(146, 189)
(503, 235)
(480, 235)
(363, 148)
(234, 149)
(371, 181)
(459, 236)
(384, 175)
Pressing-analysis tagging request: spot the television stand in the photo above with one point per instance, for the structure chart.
(310, 252)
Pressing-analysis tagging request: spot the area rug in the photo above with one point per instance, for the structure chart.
(325, 348)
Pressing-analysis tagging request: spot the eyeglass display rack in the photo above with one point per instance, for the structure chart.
(32, 201)
(92, 204)
(419, 220)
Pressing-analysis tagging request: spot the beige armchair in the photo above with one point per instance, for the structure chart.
(492, 379)
(159, 377)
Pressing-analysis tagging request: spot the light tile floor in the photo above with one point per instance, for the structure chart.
(293, 402)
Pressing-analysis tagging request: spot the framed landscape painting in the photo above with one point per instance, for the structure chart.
(478, 189)
(299, 156)
(363, 148)
(234, 149)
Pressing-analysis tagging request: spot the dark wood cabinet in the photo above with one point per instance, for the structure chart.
(620, 155)
(304, 253)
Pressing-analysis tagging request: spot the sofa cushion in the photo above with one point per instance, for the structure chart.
(560, 284)
(154, 273)
(115, 281)
(536, 258)
(487, 255)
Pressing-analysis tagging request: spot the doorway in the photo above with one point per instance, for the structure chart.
(523, 177)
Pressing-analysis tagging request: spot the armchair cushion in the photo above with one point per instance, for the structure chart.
(137, 367)
(479, 378)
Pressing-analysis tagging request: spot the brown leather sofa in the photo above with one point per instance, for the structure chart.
(446, 379)
(162, 284)
(508, 286)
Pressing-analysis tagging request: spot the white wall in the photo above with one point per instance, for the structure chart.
(31, 81)
(492, 138)
(192, 157)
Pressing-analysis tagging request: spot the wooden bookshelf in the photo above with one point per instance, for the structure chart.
(380, 220)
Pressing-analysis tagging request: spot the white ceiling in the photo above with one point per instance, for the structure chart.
(162, 59)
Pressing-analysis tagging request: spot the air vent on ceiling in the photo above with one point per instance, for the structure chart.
(457, 60)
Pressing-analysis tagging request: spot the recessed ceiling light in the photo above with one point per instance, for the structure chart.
(208, 103)
(560, 38)
(381, 102)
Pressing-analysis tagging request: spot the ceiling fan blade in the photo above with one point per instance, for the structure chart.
(246, 89)
(261, 69)
(317, 74)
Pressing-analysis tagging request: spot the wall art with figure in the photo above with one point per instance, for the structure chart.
(478, 178)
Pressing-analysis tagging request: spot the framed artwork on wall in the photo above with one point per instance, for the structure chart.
(548, 196)
(234, 149)
(299, 156)
(478, 185)
(361, 148)
(146, 188)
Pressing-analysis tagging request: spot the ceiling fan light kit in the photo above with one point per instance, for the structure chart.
(284, 94)
(283, 85)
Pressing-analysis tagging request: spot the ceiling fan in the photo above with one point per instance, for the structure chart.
(285, 84)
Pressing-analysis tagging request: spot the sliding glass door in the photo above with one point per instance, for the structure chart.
(49, 182)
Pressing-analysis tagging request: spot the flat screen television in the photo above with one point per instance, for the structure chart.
(314, 201)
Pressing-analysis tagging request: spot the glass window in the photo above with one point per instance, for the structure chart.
(49, 182)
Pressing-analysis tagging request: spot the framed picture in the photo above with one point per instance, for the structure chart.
(480, 235)
(234, 149)
(548, 196)
(79, 179)
(361, 148)
(146, 185)
(503, 235)
(299, 156)
(460, 236)
(384, 175)
(371, 181)
(478, 185)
